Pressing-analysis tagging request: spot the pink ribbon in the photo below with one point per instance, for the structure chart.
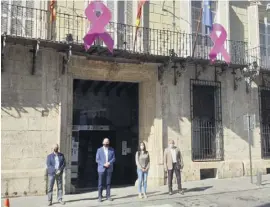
(219, 43)
(98, 25)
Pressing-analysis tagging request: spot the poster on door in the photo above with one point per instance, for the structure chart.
(74, 150)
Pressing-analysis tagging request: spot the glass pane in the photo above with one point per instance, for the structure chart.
(16, 11)
(4, 7)
(4, 24)
(29, 9)
(213, 5)
(30, 3)
(262, 39)
(16, 26)
(261, 28)
(197, 4)
(29, 27)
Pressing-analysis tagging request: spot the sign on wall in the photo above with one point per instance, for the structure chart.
(74, 150)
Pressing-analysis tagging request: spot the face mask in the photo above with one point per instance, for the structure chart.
(142, 147)
(106, 145)
(171, 145)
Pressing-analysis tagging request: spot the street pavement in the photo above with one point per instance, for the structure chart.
(238, 192)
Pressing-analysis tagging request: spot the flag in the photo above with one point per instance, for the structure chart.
(139, 13)
(53, 10)
(138, 19)
(207, 14)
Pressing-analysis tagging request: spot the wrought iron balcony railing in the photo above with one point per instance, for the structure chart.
(261, 56)
(33, 23)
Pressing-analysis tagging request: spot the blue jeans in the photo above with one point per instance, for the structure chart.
(108, 176)
(142, 177)
(59, 182)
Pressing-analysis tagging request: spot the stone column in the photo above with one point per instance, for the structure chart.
(150, 125)
(66, 94)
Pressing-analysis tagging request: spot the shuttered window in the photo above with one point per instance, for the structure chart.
(18, 17)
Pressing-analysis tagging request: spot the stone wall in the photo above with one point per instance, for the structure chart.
(235, 103)
(27, 136)
(164, 112)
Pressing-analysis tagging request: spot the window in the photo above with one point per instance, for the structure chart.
(263, 35)
(196, 11)
(196, 7)
(18, 17)
(264, 97)
(206, 120)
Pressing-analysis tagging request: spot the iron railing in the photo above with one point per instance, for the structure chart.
(261, 56)
(264, 98)
(206, 122)
(34, 23)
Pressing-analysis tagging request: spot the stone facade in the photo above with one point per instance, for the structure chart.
(37, 112)
(28, 135)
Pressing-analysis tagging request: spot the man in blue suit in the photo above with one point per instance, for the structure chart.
(105, 159)
(55, 167)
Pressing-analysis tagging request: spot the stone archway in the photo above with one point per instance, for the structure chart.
(150, 122)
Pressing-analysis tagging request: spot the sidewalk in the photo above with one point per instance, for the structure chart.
(212, 192)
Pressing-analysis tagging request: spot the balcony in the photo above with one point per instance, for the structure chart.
(260, 56)
(24, 23)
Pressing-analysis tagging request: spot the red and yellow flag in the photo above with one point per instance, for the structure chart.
(139, 13)
(138, 19)
(53, 10)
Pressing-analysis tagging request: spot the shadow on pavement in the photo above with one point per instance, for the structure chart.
(198, 189)
(136, 195)
(265, 205)
(113, 196)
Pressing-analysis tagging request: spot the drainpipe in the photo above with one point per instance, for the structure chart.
(266, 32)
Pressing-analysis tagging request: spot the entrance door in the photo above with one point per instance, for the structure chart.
(90, 141)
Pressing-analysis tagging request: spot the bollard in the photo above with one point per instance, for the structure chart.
(259, 178)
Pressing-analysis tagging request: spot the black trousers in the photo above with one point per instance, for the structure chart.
(175, 169)
(104, 176)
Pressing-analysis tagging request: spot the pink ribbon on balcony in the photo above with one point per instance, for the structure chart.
(219, 43)
(98, 24)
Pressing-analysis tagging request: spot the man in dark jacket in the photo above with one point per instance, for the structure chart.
(105, 159)
(55, 166)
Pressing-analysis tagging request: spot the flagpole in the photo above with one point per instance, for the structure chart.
(137, 26)
(135, 41)
(196, 37)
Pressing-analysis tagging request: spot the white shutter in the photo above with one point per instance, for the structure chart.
(21, 18)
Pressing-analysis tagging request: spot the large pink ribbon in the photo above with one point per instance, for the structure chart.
(219, 43)
(98, 24)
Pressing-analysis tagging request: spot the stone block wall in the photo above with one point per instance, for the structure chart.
(27, 136)
(235, 103)
(164, 113)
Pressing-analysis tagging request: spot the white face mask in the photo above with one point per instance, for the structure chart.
(171, 145)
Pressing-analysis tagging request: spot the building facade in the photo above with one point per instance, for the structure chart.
(181, 96)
